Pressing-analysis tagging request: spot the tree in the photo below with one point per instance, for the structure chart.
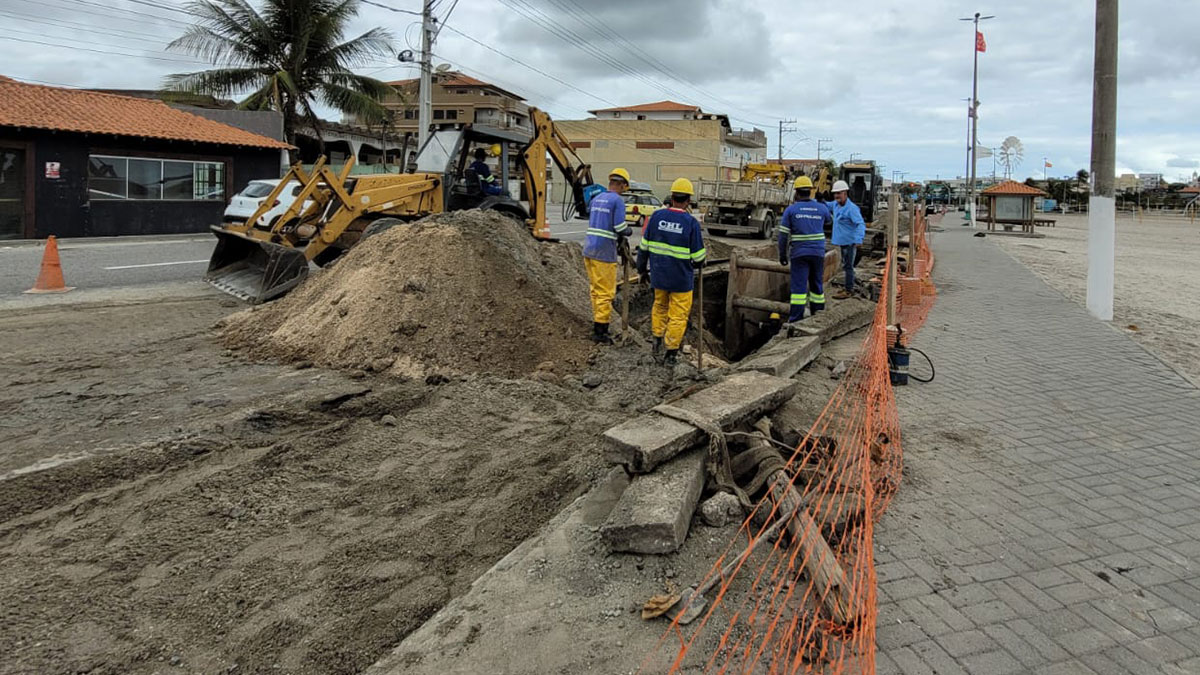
(289, 56)
(1011, 154)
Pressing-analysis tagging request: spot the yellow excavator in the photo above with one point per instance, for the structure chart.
(333, 211)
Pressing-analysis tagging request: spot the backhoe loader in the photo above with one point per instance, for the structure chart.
(257, 262)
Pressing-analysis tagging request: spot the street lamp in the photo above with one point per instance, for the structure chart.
(974, 111)
(852, 156)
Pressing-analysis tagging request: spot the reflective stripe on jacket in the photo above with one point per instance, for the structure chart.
(672, 243)
(606, 222)
(802, 229)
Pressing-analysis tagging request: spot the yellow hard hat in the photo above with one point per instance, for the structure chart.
(682, 186)
(619, 173)
(802, 182)
(495, 149)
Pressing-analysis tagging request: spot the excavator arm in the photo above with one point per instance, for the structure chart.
(549, 139)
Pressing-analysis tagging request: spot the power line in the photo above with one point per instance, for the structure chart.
(100, 51)
(72, 25)
(108, 8)
(390, 9)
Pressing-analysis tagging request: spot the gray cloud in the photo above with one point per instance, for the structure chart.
(886, 82)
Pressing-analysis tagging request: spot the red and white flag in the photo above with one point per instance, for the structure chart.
(980, 43)
(1049, 165)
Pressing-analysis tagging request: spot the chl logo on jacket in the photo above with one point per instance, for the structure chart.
(668, 226)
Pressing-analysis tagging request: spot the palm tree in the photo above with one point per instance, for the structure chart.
(289, 56)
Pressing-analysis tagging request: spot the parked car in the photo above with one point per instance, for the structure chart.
(245, 203)
(639, 205)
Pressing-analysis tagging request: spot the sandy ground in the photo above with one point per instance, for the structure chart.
(165, 504)
(1157, 285)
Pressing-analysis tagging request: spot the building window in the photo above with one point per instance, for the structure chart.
(616, 114)
(154, 179)
(410, 114)
(641, 117)
(451, 114)
(439, 114)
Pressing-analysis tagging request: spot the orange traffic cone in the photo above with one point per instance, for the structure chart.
(50, 279)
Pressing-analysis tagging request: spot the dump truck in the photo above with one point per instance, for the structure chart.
(335, 210)
(749, 206)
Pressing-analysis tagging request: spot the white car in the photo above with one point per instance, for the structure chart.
(245, 203)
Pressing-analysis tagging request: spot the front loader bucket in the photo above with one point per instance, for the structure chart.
(253, 270)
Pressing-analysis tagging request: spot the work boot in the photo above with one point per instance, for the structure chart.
(672, 358)
(600, 334)
(656, 349)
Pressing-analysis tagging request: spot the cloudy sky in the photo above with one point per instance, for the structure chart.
(886, 80)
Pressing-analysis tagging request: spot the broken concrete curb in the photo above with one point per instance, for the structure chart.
(655, 511)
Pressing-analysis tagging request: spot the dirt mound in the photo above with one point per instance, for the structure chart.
(468, 291)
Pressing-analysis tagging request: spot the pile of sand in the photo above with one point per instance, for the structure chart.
(461, 292)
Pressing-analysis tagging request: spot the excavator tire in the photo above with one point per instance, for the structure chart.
(380, 225)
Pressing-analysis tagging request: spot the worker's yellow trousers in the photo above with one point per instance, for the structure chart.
(669, 318)
(602, 278)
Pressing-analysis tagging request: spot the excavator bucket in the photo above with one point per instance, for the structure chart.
(253, 270)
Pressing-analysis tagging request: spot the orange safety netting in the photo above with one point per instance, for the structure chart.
(795, 590)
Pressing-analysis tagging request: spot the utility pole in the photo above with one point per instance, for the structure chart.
(974, 113)
(425, 106)
(1102, 213)
(821, 146)
(782, 130)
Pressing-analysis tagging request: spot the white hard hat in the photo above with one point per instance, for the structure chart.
(840, 186)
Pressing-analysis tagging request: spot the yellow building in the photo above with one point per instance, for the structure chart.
(1127, 182)
(659, 142)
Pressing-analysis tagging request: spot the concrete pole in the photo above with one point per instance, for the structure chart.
(1102, 214)
(425, 107)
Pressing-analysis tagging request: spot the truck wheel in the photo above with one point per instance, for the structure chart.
(768, 226)
(380, 225)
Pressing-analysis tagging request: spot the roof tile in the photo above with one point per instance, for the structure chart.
(1012, 187)
(660, 106)
(83, 111)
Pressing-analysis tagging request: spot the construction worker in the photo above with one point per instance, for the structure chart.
(802, 245)
(848, 231)
(487, 180)
(672, 245)
(606, 224)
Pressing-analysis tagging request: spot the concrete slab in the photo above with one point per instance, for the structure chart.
(784, 356)
(655, 511)
(642, 443)
(838, 318)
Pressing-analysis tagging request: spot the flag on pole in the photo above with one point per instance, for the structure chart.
(980, 43)
(1049, 165)
(982, 153)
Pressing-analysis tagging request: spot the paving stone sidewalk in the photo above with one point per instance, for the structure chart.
(1049, 519)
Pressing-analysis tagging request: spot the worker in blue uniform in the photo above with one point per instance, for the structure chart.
(671, 247)
(606, 224)
(487, 180)
(849, 228)
(802, 245)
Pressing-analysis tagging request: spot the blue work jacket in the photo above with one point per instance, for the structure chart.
(802, 229)
(606, 222)
(671, 246)
(848, 224)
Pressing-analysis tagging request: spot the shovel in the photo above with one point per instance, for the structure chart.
(692, 601)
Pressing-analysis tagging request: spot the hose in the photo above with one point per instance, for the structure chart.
(932, 372)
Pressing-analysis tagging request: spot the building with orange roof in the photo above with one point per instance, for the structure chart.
(76, 163)
(1011, 203)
